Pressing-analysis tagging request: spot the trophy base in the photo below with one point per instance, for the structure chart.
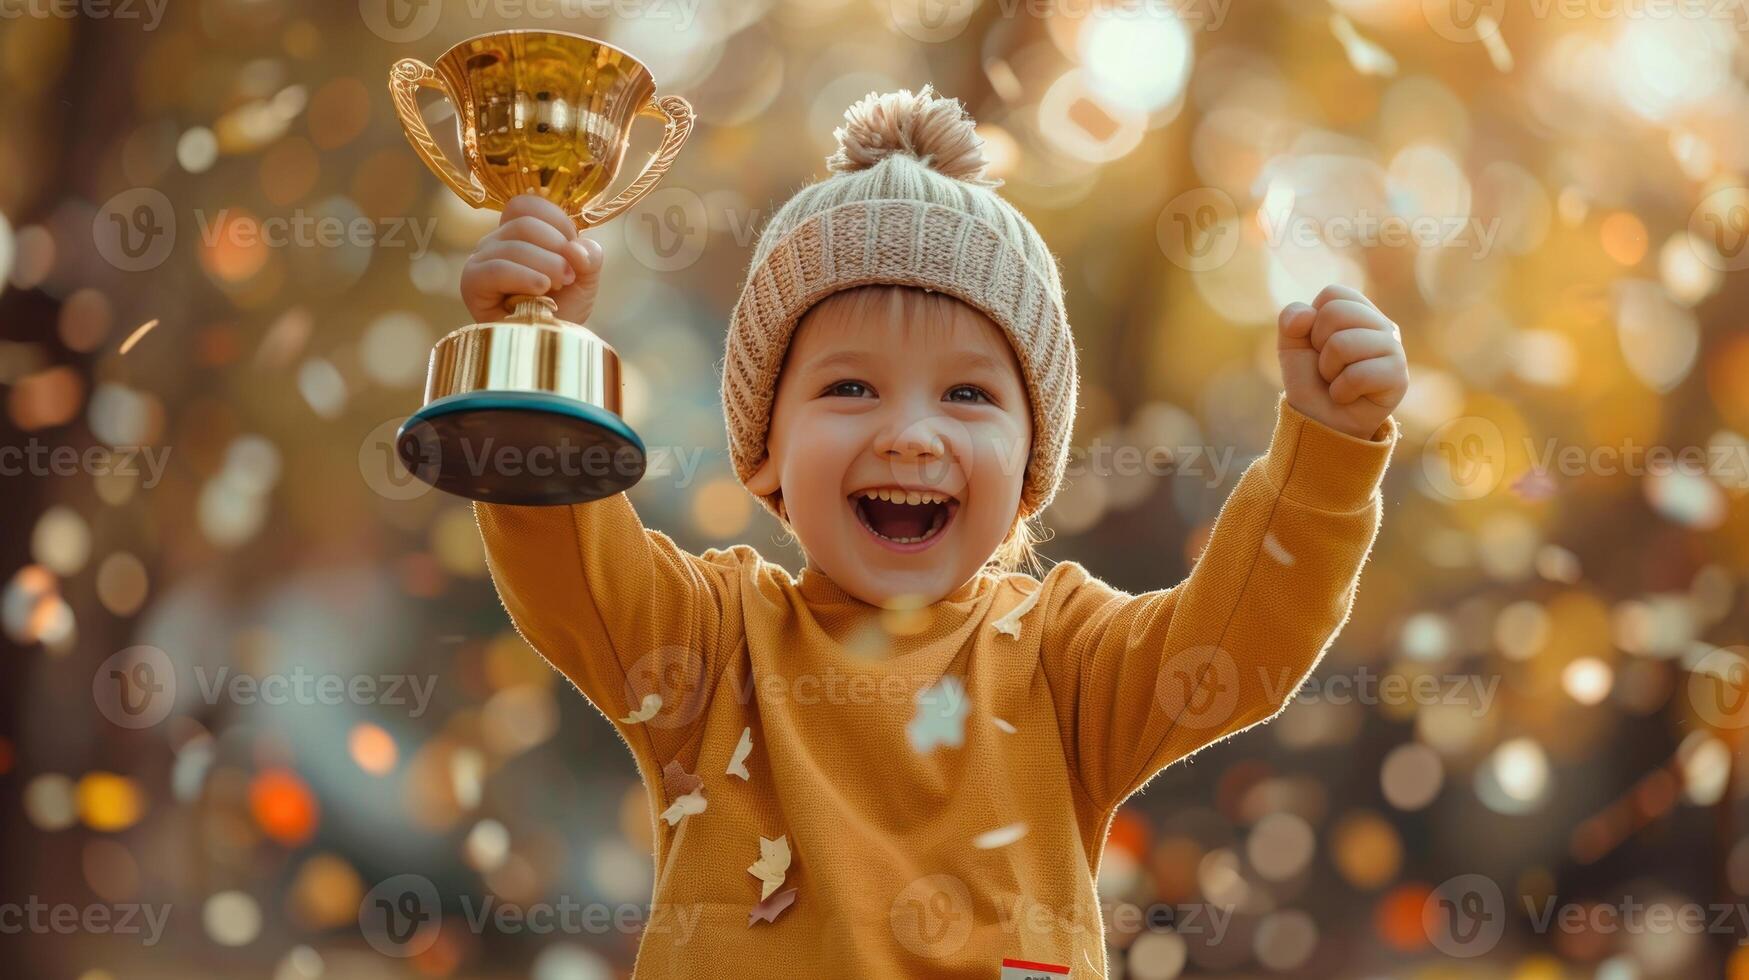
(521, 447)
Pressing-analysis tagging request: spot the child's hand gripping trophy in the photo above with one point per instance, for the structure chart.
(535, 247)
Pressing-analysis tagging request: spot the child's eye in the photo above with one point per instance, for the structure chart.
(976, 393)
(839, 389)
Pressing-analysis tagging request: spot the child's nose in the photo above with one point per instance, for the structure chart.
(916, 439)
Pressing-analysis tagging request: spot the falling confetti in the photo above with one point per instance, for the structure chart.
(1009, 624)
(684, 806)
(738, 761)
(1003, 724)
(1498, 52)
(140, 331)
(1366, 57)
(646, 711)
(687, 790)
(769, 909)
(772, 865)
(1000, 837)
(941, 715)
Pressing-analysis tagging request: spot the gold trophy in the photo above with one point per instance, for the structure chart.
(526, 410)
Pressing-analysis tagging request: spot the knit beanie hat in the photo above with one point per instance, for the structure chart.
(906, 203)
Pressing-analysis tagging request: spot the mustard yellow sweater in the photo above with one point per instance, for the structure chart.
(945, 780)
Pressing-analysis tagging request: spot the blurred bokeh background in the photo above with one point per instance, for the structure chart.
(252, 670)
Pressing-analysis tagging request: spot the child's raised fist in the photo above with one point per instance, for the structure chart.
(536, 250)
(1342, 361)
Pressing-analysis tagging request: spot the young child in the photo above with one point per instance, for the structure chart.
(905, 761)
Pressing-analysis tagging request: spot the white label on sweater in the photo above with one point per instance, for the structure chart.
(1028, 970)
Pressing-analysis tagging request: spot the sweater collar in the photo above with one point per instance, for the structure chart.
(819, 589)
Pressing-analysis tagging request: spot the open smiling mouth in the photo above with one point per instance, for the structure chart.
(908, 519)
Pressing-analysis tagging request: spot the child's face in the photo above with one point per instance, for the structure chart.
(891, 388)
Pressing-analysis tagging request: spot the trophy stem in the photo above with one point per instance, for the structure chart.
(533, 309)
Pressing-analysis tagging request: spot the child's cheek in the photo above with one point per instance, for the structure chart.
(1000, 453)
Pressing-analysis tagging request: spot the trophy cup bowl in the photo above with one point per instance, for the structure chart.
(526, 410)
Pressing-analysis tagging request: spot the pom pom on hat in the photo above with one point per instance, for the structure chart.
(936, 131)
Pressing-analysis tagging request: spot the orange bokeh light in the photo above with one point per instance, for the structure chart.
(373, 749)
(1398, 917)
(283, 806)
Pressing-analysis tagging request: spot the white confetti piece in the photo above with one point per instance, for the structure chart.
(1276, 551)
(1000, 837)
(738, 761)
(646, 711)
(684, 806)
(1498, 52)
(941, 715)
(772, 865)
(1009, 624)
(134, 338)
(1366, 57)
(1004, 725)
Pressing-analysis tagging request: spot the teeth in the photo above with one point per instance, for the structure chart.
(911, 497)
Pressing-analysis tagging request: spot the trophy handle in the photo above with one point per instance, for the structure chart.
(678, 112)
(405, 80)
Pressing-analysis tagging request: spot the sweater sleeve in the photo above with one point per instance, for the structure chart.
(1141, 681)
(619, 609)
